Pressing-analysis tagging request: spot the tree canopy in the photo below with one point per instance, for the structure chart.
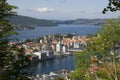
(113, 5)
(100, 60)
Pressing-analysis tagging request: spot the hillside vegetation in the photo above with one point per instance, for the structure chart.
(23, 22)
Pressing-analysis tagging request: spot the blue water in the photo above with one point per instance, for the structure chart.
(61, 29)
(54, 65)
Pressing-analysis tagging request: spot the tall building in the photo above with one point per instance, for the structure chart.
(58, 47)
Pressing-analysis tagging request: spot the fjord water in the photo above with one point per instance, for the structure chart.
(61, 29)
(56, 64)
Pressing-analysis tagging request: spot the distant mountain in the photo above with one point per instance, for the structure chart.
(89, 21)
(63, 22)
(23, 22)
(82, 21)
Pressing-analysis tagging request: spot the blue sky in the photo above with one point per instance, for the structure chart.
(63, 9)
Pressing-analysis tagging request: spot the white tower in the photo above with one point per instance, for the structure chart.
(58, 47)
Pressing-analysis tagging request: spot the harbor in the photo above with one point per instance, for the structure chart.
(54, 65)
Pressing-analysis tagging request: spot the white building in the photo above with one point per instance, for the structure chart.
(41, 55)
(41, 41)
(58, 47)
(44, 55)
(38, 54)
(76, 45)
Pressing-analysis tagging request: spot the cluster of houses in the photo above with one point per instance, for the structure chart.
(49, 46)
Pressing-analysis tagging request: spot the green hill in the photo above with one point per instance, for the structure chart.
(23, 22)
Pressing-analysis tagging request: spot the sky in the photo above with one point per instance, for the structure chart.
(63, 9)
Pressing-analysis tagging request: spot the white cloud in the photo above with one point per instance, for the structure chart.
(44, 10)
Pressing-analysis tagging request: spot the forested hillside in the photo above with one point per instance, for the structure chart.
(23, 22)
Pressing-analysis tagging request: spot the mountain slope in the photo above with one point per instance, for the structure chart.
(27, 22)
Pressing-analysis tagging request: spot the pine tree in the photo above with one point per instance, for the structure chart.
(14, 65)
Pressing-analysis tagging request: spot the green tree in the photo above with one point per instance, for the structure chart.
(113, 5)
(82, 64)
(6, 29)
(102, 54)
(13, 63)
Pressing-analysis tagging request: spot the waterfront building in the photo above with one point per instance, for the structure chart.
(50, 54)
(41, 55)
(44, 55)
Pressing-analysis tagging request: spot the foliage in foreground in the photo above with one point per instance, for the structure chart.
(101, 59)
(113, 5)
(14, 65)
